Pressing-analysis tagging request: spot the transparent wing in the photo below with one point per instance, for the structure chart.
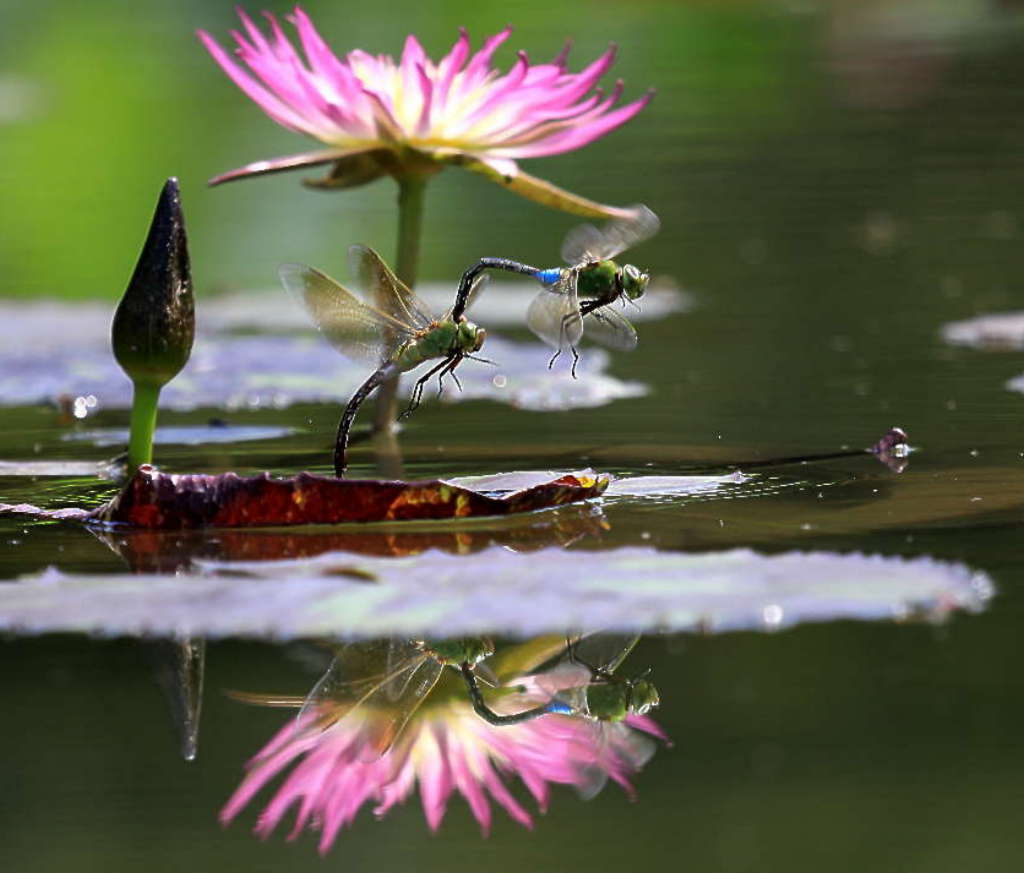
(613, 744)
(377, 281)
(358, 331)
(369, 675)
(609, 328)
(604, 651)
(255, 698)
(476, 289)
(356, 670)
(389, 717)
(400, 654)
(588, 243)
(554, 314)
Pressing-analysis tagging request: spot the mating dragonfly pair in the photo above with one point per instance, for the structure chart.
(391, 679)
(399, 333)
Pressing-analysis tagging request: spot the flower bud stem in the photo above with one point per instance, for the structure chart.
(411, 190)
(143, 424)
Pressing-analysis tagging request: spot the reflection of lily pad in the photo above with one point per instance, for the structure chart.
(182, 436)
(495, 591)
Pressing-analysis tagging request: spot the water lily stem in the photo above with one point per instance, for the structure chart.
(143, 424)
(411, 190)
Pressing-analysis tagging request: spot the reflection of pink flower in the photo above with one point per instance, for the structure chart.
(446, 747)
(457, 109)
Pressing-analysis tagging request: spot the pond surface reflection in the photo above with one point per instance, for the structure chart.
(832, 640)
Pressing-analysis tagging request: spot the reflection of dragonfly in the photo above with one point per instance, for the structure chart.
(605, 696)
(579, 296)
(396, 335)
(602, 697)
(387, 680)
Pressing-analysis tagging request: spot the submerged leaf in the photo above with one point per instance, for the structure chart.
(496, 591)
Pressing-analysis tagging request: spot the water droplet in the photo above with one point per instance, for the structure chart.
(500, 381)
(773, 615)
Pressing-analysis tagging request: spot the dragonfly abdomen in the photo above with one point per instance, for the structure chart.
(549, 277)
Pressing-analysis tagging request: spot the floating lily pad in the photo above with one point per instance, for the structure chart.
(153, 500)
(503, 305)
(199, 435)
(252, 372)
(495, 590)
(627, 486)
(1003, 331)
(50, 468)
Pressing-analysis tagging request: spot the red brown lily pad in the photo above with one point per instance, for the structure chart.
(152, 500)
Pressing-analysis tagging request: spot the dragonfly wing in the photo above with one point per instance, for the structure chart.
(476, 289)
(615, 745)
(604, 651)
(610, 328)
(355, 671)
(554, 314)
(389, 717)
(390, 293)
(588, 243)
(400, 653)
(358, 331)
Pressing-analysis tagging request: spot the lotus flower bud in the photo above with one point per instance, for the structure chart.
(154, 324)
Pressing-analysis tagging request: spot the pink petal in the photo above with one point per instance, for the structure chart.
(575, 137)
(277, 110)
(279, 165)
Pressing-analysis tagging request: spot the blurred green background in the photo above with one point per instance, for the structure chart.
(836, 180)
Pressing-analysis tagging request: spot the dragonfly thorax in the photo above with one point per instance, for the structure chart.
(462, 650)
(606, 280)
(441, 340)
(615, 699)
(597, 281)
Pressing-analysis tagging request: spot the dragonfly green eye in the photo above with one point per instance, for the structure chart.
(634, 281)
(471, 337)
(645, 697)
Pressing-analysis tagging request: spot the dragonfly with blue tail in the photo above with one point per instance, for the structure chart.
(577, 298)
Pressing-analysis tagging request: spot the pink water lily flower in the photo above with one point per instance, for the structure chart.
(414, 116)
(445, 748)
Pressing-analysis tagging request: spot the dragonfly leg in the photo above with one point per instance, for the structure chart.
(417, 390)
(481, 708)
(450, 364)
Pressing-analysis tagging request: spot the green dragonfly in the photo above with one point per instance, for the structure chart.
(396, 335)
(604, 696)
(579, 296)
(585, 685)
(389, 678)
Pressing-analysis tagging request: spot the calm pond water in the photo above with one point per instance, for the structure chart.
(834, 186)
